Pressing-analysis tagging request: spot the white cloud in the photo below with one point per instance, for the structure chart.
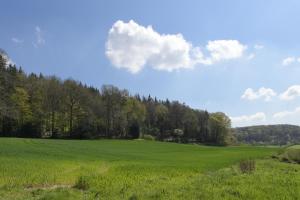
(287, 117)
(251, 56)
(225, 49)
(39, 37)
(246, 120)
(262, 93)
(284, 114)
(258, 46)
(249, 94)
(132, 46)
(17, 41)
(291, 93)
(289, 60)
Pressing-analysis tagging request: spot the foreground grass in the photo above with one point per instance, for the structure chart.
(114, 169)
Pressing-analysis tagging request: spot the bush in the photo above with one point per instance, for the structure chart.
(178, 132)
(148, 137)
(151, 131)
(291, 155)
(82, 183)
(247, 166)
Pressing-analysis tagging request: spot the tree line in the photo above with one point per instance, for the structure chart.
(40, 106)
(280, 134)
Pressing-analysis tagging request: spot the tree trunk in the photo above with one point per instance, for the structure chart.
(71, 119)
(52, 122)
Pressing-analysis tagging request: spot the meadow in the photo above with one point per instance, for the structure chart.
(137, 169)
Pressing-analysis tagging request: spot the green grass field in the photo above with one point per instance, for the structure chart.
(119, 169)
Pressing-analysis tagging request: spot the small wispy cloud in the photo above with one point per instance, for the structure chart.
(251, 56)
(258, 46)
(262, 93)
(291, 93)
(245, 120)
(287, 113)
(267, 94)
(289, 60)
(39, 37)
(17, 41)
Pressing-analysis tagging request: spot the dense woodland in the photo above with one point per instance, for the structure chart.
(34, 105)
(268, 134)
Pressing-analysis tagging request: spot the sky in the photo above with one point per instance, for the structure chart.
(238, 57)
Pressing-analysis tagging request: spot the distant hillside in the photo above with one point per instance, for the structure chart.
(268, 134)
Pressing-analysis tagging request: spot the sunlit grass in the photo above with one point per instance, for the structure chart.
(114, 169)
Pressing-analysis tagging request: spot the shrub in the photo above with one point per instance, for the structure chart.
(178, 132)
(82, 183)
(247, 166)
(151, 131)
(148, 137)
(291, 155)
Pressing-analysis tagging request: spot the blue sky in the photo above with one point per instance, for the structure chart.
(249, 69)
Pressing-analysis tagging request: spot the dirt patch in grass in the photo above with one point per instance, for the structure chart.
(46, 187)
